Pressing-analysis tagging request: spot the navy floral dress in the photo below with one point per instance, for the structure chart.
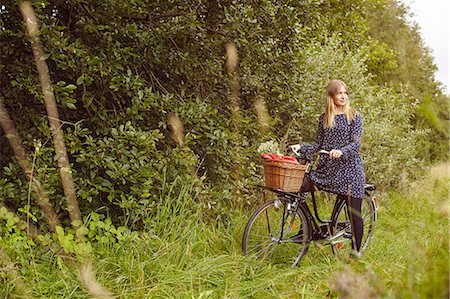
(345, 175)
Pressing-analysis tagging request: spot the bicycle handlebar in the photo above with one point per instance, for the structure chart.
(297, 154)
(323, 152)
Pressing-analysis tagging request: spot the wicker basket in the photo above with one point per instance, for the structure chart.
(283, 175)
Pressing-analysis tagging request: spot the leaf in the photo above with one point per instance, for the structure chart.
(80, 80)
(3, 211)
(59, 231)
(71, 87)
(71, 106)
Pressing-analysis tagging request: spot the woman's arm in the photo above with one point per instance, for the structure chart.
(355, 137)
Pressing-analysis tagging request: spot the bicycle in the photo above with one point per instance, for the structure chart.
(284, 227)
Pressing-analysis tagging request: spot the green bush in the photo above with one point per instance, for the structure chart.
(120, 69)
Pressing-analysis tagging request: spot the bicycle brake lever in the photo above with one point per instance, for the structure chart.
(296, 153)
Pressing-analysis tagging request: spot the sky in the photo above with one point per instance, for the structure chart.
(433, 18)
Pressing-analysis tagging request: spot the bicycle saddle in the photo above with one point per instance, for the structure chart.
(369, 187)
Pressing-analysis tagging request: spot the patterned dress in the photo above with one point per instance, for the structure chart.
(345, 175)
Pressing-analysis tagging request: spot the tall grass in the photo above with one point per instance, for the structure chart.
(181, 256)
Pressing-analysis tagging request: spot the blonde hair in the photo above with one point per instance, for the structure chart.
(331, 110)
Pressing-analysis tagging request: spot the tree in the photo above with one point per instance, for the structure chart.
(53, 115)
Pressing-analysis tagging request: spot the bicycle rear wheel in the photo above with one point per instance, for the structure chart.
(277, 233)
(341, 237)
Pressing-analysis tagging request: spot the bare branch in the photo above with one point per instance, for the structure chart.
(53, 115)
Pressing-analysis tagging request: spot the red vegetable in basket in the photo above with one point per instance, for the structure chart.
(289, 158)
(272, 156)
(286, 159)
(268, 156)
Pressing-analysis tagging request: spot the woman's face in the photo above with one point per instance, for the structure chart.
(341, 97)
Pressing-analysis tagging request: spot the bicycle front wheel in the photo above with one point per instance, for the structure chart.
(341, 238)
(277, 232)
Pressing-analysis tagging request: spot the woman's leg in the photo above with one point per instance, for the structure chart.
(357, 222)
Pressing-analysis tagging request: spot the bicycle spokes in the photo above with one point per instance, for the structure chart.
(342, 237)
(270, 232)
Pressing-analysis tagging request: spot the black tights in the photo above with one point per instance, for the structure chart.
(354, 213)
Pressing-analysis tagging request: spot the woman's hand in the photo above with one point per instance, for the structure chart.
(335, 154)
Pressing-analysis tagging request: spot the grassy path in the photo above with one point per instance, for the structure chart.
(408, 258)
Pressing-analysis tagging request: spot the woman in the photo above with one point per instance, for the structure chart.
(342, 172)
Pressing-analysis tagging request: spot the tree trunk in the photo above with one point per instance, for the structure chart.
(53, 115)
(16, 144)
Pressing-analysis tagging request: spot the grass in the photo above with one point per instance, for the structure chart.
(408, 258)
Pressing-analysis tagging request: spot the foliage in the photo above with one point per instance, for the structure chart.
(158, 213)
(269, 147)
(183, 256)
(10, 233)
(389, 147)
(121, 68)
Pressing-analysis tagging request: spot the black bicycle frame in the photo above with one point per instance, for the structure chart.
(300, 199)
